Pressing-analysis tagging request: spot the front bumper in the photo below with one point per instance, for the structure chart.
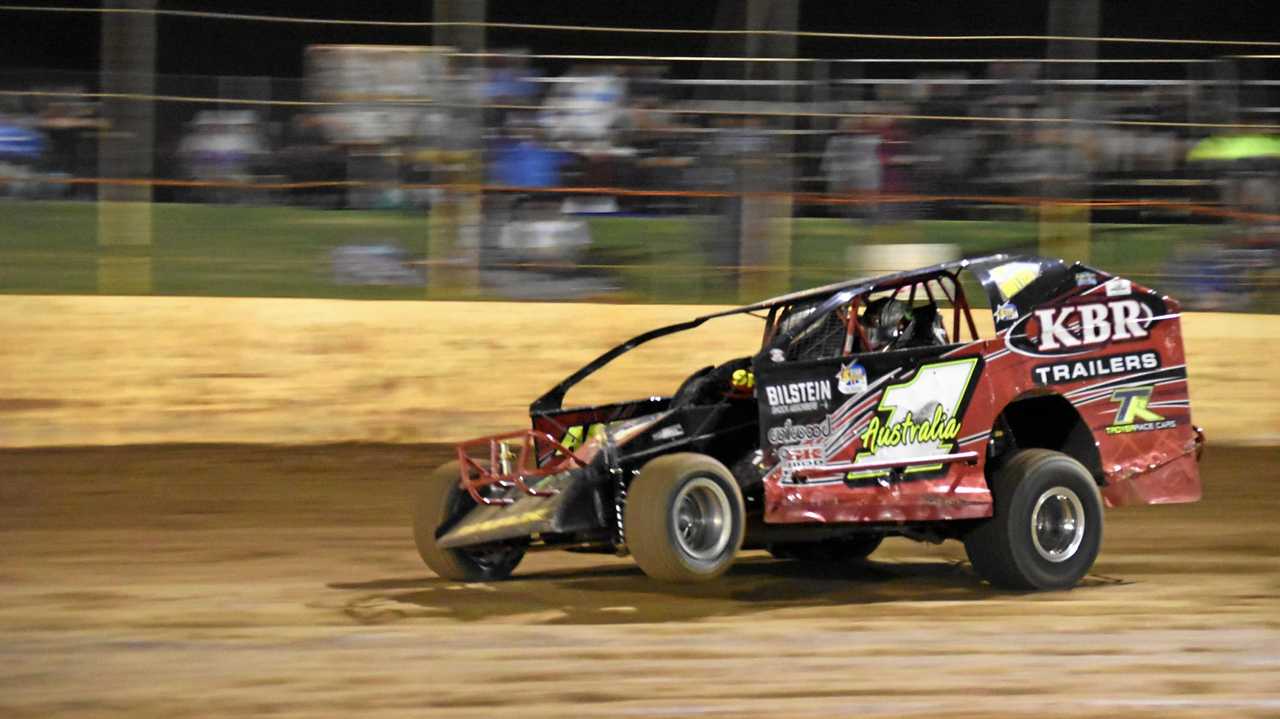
(523, 483)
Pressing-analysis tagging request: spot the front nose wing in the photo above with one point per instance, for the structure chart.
(522, 483)
(563, 504)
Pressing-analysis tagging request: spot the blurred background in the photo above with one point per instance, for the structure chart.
(479, 150)
(205, 499)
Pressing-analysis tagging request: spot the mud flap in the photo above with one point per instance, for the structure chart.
(570, 509)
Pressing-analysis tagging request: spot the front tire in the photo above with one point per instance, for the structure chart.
(1046, 528)
(684, 518)
(441, 499)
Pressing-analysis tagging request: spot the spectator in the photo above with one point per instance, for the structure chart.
(851, 165)
(895, 164)
(510, 88)
(521, 160)
(72, 128)
(309, 158)
(584, 107)
(223, 147)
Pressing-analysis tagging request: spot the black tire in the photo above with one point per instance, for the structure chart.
(858, 546)
(441, 499)
(684, 518)
(1046, 528)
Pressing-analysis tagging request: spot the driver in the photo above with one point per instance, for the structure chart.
(883, 320)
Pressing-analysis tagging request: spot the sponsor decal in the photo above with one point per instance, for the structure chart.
(1097, 323)
(1119, 287)
(917, 418)
(797, 457)
(800, 456)
(1095, 367)
(795, 397)
(852, 379)
(1133, 415)
(777, 355)
(1011, 277)
(1006, 312)
(1079, 328)
(940, 427)
(670, 432)
(790, 433)
(1086, 279)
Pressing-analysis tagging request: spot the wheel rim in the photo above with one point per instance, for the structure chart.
(1057, 524)
(702, 519)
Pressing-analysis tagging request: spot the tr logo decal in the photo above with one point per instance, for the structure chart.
(1133, 415)
(1133, 405)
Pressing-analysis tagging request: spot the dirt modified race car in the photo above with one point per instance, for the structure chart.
(873, 408)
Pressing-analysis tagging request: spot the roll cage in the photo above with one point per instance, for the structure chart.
(941, 284)
(940, 290)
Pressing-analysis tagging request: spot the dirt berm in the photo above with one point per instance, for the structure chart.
(123, 370)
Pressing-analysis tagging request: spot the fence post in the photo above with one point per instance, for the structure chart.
(1065, 228)
(126, 147)
(456, 224)
(764, 256)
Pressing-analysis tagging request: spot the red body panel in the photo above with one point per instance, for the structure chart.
(960, 492)
(1113, 350)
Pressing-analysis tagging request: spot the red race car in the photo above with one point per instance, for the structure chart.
(873, 408)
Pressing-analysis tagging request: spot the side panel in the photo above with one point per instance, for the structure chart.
(1114, 351)
(832, 427)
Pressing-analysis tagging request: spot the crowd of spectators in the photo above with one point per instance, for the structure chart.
(611, 126)
(998, 136)
(44, 144)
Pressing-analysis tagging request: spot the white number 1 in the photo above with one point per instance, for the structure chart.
(924, 416)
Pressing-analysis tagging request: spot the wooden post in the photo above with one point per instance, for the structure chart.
(764, 254)
(1064, 230)
(456, 224)
(126, 148)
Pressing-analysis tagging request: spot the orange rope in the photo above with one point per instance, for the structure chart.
(798, 197)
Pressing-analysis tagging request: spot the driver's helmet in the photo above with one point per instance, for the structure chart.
(883, 320)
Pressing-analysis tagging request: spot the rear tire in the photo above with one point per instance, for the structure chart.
(684, 518)
(859, 546)
(1046, 528)
(441, 499)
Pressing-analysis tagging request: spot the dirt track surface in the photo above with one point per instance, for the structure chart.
(199, 581)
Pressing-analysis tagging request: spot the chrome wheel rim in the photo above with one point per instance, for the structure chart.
(1057, 524)
(702, 519)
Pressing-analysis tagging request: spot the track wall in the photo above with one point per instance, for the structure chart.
(124, 370)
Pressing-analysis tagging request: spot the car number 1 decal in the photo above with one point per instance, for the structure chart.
(917, 418)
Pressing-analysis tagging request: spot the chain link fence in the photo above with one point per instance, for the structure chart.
(418, 172)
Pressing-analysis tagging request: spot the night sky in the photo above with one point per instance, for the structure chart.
(205, 47)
